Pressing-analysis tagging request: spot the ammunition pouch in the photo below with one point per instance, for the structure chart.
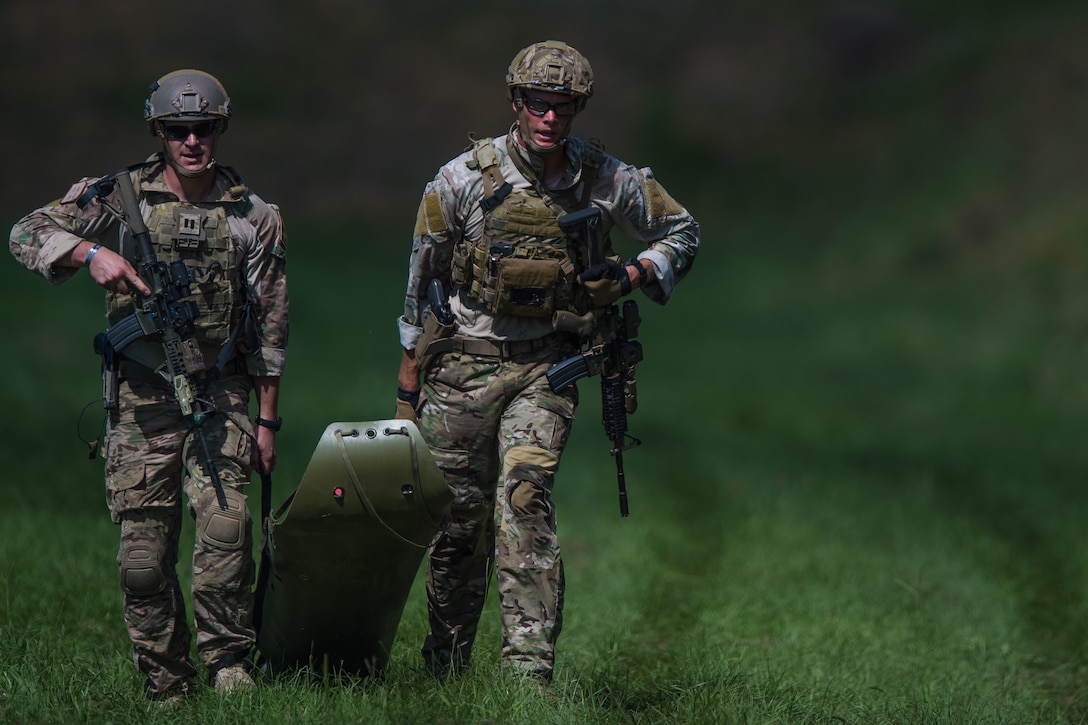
(528, 280)
(526, 287)
(433, 331)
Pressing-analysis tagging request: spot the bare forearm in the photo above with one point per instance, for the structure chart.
(408, 377)
(267, 389)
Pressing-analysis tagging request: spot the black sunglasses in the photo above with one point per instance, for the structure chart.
(180, 132)
(540, 107)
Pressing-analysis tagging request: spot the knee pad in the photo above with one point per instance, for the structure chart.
(529, 460)
(530, 471)
(141, 571)
(224, 528)
(529, 498)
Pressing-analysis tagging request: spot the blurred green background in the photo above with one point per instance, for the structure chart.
(827, 148)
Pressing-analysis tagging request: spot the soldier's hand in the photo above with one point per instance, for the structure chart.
(112, 271)
(263, 457)
(606, 282)
(407, 405)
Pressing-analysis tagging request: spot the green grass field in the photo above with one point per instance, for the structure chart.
(857, 500)
(859, 497)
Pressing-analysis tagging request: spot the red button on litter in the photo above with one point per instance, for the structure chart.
(338, 492)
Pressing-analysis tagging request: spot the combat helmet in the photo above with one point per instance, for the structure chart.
(187, 95)
(551, 66)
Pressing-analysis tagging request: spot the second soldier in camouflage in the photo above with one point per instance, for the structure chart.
(487, 229)
(231, 245)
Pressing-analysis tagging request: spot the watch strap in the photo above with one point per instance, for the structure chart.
(270, 424)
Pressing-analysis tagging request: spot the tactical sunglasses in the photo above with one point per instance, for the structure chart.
(180, 132)
(540, 107)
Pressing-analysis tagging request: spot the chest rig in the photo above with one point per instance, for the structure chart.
(522, 264)
(199, 237)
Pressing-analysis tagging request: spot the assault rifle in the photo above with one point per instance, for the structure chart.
(612, 351)
(166, 312)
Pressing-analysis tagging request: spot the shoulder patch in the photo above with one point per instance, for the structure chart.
(658, 202)
(279, 249)
(77, 190)
(429, 219)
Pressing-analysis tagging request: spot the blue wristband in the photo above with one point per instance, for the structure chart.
(90, 255)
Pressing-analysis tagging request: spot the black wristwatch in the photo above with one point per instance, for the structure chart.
(270, 424)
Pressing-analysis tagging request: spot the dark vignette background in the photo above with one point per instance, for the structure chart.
(871, 139)
(345, 109)
(891, 288)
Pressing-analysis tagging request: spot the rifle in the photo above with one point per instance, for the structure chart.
(612, 351)
(166, 312)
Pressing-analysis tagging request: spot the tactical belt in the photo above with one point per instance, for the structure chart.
(138, 372)
(505, 349)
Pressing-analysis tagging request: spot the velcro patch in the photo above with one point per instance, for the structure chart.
(77, 190)
(659, 203)
(429, 219)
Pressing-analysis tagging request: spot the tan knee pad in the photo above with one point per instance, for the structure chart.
(531, 469)
(529, 456)
(224, 528)
(141, 571)
(527, 499)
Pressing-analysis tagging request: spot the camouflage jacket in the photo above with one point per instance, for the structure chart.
(630, 199)
(256, 229)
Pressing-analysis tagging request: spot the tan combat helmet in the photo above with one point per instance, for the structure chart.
(187, 95)
(551, 66)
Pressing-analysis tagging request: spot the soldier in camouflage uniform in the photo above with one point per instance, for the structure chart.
(487, 229)
(233, 244)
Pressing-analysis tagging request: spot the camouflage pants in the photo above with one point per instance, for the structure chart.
(497, 432)
(151, 457)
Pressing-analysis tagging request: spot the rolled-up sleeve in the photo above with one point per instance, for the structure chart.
(50, 233)
(645, 211)
(266, 277)
(444, 211)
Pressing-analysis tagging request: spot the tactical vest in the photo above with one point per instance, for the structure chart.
(523, 264)
(199, 236)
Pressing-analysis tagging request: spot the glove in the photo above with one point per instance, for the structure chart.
(407, 405)
(606, 282)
